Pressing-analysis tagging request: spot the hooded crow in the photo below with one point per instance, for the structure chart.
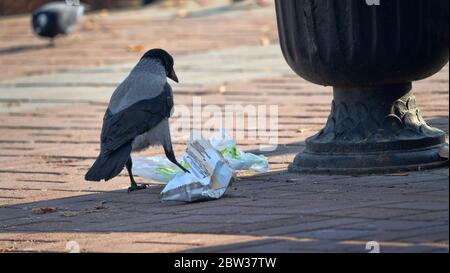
(137, 117)
(56, 18)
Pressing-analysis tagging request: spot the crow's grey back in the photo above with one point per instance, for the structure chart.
(145, 81)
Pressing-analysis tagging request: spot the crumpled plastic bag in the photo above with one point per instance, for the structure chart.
(212, 165)
(160, 169)
(209, 179)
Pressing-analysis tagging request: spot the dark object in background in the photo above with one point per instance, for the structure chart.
(137, 117)
(55, 19)
(148, 2)
(370, 54)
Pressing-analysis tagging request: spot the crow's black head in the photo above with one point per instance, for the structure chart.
(45, 24)
(165, 59)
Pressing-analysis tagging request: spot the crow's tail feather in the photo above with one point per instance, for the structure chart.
(109, 166)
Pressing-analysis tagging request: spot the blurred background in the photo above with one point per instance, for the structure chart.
(121, 30)
(11, 7)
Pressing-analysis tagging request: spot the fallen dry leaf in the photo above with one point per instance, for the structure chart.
(101, 205)
(136, 48)
(43, 210)
(181, 13)
(264, 41)
(222, 88)
(7, 249)
(103, 13)
(70, 213)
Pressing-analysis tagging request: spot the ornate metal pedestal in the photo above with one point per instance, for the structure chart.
(370, 55)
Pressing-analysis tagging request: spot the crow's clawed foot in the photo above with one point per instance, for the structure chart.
(137, 187)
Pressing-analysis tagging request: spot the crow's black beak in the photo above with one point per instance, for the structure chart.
(173, 76)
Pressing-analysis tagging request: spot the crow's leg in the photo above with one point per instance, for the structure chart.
(168, 149)
(52, 42)
(171, 156)
(134, 186)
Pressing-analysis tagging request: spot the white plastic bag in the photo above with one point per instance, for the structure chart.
(160, 169)
(238, 160)
(212, 164)
(156, 168)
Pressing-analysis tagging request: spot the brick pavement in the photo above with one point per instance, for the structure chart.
(49, 126)
(119, 36)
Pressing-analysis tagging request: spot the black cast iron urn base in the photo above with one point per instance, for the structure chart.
(370, 54)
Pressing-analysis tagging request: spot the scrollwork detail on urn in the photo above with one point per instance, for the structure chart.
(404, 121)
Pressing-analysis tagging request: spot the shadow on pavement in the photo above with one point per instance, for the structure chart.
(23, 48)
(287, 212)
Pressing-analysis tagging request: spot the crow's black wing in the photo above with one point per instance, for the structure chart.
(121, 128)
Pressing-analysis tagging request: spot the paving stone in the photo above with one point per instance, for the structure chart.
(50, 123)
